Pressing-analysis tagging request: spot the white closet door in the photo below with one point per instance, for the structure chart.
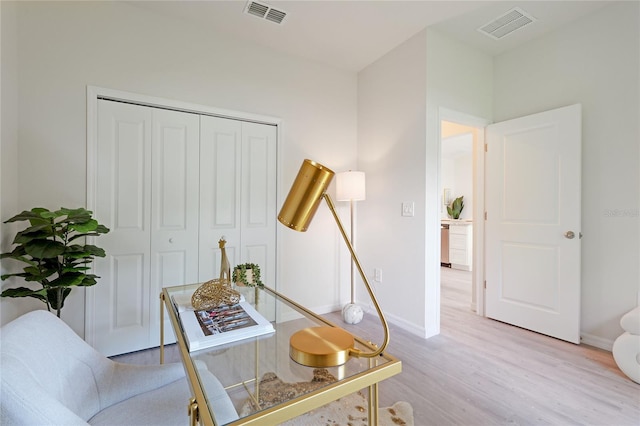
(220, 153)
(118, 307)
(169, 185)
(174, 206)
(258, 199)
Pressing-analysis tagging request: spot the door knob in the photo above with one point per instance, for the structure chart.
(570, 235)
(171, 240)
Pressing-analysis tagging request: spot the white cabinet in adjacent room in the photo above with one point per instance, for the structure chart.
(460, 245)
(168, 184)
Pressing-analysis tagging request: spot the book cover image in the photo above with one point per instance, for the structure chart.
(220, 325)
(223, 319)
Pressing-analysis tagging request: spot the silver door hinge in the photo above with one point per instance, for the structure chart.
(486, 147)
(485, 284)
(485, 215)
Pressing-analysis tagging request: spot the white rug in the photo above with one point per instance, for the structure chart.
(351, 410)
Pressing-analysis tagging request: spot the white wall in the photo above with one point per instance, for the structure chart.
(9, 147)
(64, 46)
(456, 173)
(459, 81)
(463, 167)
(391, 151)
(595, 62)
(399, 101)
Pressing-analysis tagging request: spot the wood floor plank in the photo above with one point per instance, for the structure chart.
(482, 372)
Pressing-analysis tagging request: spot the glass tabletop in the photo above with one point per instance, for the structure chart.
(286, 388)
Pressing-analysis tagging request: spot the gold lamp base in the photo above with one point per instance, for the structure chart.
(321, 346)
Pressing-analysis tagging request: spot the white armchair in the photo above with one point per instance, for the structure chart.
(50, 376)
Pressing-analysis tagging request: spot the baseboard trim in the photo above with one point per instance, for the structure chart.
(596, 341)
(400, 322)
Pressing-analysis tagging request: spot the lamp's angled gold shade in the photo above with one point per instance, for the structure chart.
(305, 195)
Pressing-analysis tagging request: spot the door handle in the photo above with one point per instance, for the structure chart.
(570, 235)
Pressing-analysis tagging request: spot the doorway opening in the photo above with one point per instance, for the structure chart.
(462, 175)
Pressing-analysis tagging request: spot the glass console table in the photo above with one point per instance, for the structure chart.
(240, 366)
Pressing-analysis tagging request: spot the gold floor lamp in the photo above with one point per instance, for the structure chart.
(322, 346)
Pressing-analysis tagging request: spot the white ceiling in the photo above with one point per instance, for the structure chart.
(352, 34)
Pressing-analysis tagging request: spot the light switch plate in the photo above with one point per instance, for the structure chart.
(408, 209)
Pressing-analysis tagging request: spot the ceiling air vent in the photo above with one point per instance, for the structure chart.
(264, 11)
(503, 25)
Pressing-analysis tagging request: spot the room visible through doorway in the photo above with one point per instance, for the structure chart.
(457, 159)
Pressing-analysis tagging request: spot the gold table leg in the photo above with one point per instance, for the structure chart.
(373, 405)
(373, 398)
(192, 411)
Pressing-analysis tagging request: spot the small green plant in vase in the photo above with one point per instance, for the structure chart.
(247, 274)
(455, 208)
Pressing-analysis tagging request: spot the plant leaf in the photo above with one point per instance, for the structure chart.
(31, 234)
(89, 280)
(25, 292)
(33, 216)
(84, 227)
(16, 274)
(94, 250)
(79, 215)
(52, 295)
(42, 249)
(68, 280)
(75, 269)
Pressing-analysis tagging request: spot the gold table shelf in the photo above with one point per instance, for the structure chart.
(240, 365)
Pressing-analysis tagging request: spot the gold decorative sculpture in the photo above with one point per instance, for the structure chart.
(217, 292)
(225, 266)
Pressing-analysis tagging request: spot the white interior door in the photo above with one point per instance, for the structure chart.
(258, 199)
(237, 195)
(220, 168)
(174, 207)
(118, 307)
(147, 195)
(533, 184)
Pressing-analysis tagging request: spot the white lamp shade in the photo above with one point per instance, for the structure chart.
(350, 186)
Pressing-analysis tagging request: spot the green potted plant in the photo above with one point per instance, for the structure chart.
(247, 274)
(455, 208)
(54, 257)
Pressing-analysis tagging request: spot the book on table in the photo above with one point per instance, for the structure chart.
(221, 325)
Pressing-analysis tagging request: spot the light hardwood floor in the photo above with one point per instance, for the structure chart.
(482, 372)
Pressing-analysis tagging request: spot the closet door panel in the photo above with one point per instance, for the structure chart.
(220, 151)
(126, 310)
(258, 205)
(174, 217)
(119, 303)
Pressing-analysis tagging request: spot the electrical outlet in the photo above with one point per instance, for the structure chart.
(408, 209)
(377, 275)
